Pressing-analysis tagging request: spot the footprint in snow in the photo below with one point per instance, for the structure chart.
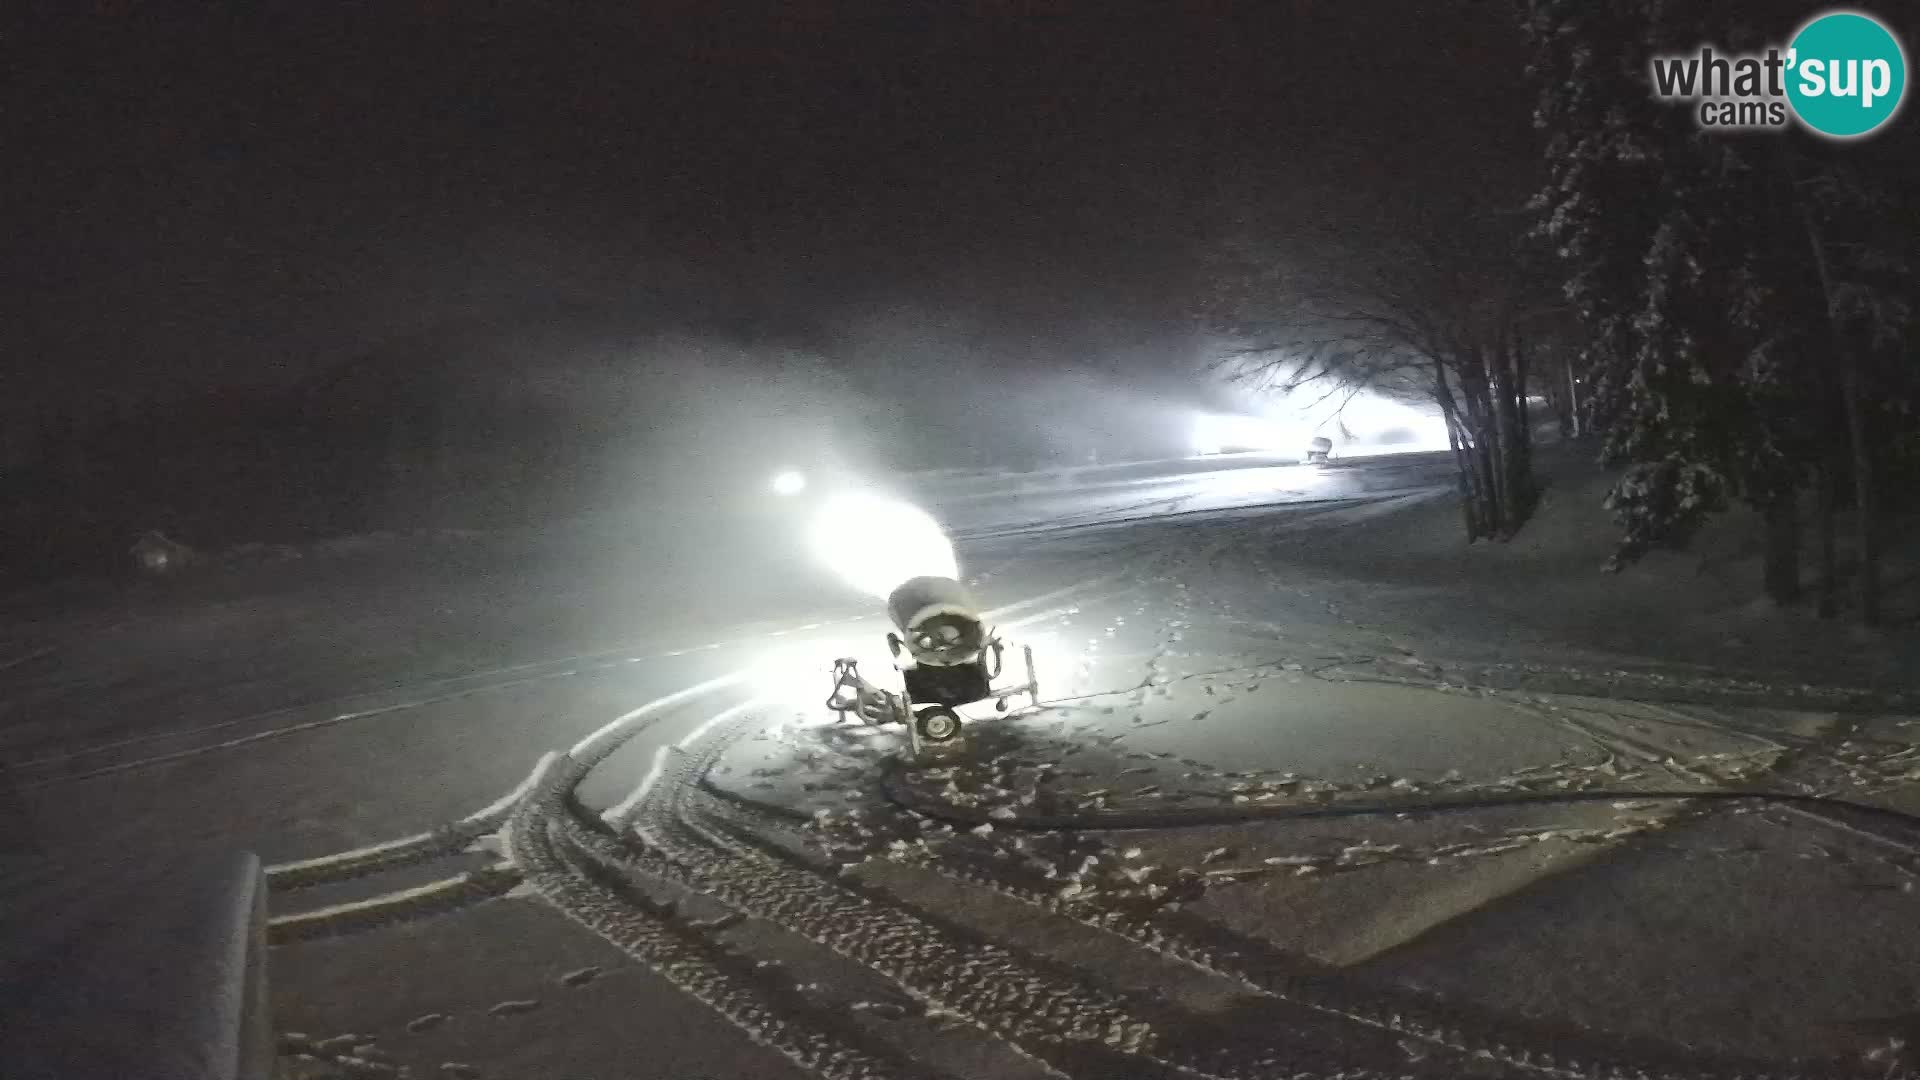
(371, 1053)
(514, 1008)
(581, 977)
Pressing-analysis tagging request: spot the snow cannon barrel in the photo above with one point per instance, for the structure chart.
(939, 620)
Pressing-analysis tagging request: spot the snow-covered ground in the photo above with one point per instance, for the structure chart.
(1531, 857)
(1542, 597)
(1305, 795)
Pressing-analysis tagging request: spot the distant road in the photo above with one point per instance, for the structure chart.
(1127, 493)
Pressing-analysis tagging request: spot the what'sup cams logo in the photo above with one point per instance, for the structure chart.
(1844, 75)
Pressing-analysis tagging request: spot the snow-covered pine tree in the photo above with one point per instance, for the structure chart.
(1721, 360)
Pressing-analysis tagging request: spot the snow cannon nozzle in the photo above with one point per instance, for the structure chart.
(939, 621)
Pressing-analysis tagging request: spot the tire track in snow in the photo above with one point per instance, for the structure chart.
(1055, 1016)
(439, 897)
(393, 854)
(561, 857)
(433, 898)
(692, 964)
(452, 688)
(1194, 941)
(456, 836)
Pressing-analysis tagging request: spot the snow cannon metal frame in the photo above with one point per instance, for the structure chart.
(946, 656)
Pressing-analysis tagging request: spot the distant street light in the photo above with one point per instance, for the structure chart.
(789, 482)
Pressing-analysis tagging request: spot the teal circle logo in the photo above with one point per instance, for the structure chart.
(1847, 74)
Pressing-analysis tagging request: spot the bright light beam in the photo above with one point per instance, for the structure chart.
(1215, 434)
(875, 543)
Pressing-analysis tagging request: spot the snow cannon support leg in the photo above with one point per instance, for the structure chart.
(853, 694)
(1031, 687)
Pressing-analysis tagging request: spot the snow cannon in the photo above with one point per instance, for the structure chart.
(947, 657)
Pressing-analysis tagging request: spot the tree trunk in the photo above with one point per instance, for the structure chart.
(1783, 549)
(1518, 436)
(1463, 481)
(1484, 443)
(1501, 442)
(1492, 498)
(1572, 422)
(1866, 503)
(1829, 569)
(1522, 373)
(1459, 442)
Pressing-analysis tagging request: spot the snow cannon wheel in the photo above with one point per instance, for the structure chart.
(937, 724)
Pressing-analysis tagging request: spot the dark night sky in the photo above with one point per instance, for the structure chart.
(226, 199)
